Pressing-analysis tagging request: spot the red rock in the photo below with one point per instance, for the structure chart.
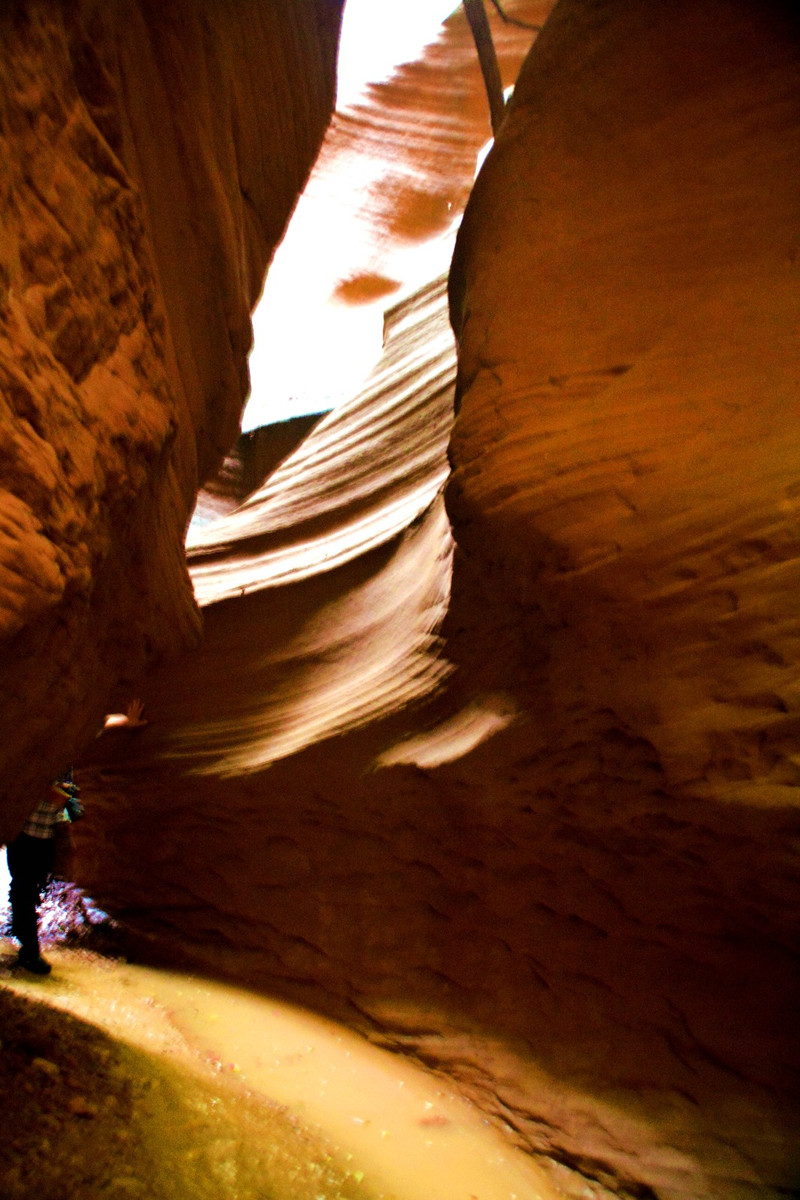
(140, 212)
(588, 919)
(79, 1106)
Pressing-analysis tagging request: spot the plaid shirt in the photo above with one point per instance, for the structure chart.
(47, 814)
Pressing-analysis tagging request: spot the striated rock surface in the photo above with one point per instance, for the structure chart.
(251, 461)
(378, 217)
(625, 293)
(526, 809)
(322, 592)
(149, 158)
(625, 458)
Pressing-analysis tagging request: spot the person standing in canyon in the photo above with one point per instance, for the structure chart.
(31, 860)
(33, 853)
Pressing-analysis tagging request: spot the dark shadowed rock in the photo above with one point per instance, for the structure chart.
(524, 807)
(150, 156)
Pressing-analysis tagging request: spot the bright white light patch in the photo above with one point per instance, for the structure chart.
(311, 353)
(378, 35)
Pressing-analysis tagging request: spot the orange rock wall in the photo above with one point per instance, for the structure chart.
(150, 155)
(625, 294)
(546, 845)
(409, 153)
(624, 475)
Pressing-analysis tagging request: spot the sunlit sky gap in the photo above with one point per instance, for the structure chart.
(378, 35)
(309, 354)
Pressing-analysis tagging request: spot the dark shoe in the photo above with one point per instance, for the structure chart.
(34, 963)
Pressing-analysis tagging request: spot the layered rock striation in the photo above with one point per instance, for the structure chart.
(526, 808)
(252, 459)
(151, 155)
(378, 217)
(625, 298)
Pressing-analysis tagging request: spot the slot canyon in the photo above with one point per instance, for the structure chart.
(473, 704)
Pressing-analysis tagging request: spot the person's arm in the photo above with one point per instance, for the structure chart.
(57, 795)
(130, 719)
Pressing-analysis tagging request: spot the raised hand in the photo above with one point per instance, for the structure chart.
(131, 719)
(133, 712)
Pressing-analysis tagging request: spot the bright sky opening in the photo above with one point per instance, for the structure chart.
(310, 353)
(378, 35)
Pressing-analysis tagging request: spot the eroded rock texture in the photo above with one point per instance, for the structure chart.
(252, 459)
(626, 306)
(150, 155)
(537, 830)
(625, 460)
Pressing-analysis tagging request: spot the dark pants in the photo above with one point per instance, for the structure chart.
(30, 861)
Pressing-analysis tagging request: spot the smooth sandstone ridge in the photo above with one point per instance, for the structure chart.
(515, 791)
(625, 296)
(150, 156)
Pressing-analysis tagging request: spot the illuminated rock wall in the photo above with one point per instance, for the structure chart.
(537, 828)
(626, 452)
(150, 155)
(625, 463)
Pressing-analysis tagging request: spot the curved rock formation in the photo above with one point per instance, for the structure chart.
(322, 591)
(541, 834)
(625, 460)
(151, 155)
(250, 462)
(626, 449)
(378, 217)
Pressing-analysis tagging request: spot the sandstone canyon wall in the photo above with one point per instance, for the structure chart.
(151, 155)
(625, 462)
(537, 827)
(377, 219)
(252, 458)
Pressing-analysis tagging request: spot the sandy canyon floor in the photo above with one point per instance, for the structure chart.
(120, 1081)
